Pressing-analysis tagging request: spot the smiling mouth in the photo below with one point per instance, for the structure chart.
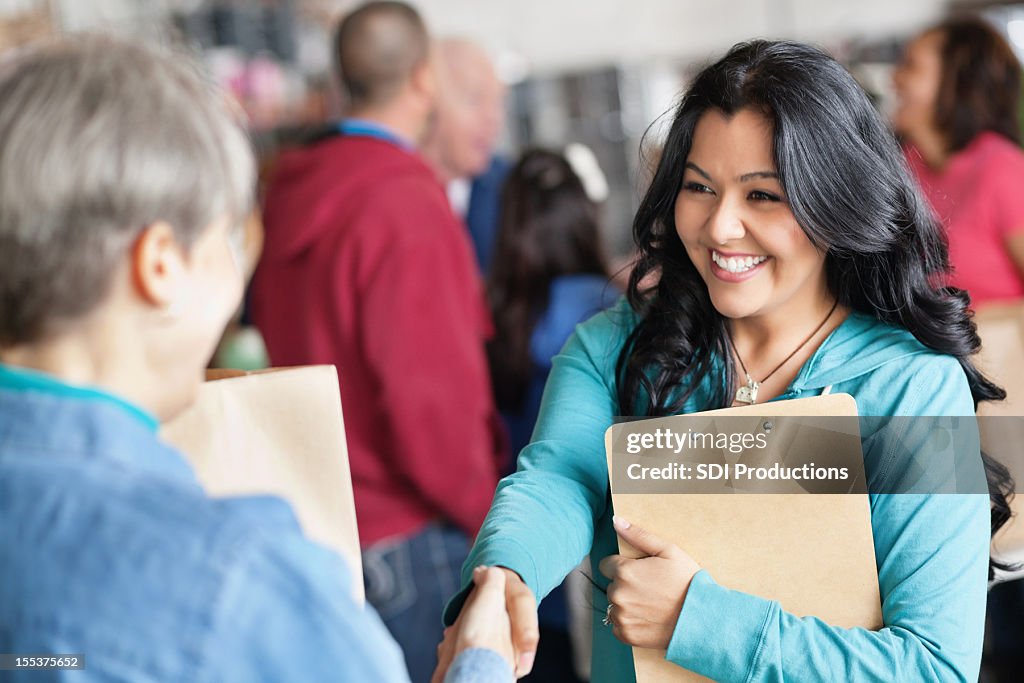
(737, 264)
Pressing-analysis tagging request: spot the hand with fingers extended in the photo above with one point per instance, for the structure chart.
(646, 594)
(506, 623)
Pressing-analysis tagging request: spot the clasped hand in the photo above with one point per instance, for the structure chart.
(500, 614)
(646, 595)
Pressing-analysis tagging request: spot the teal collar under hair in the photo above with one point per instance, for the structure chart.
(23, 379)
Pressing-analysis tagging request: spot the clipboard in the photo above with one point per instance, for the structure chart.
(812, 552)
(277, 432)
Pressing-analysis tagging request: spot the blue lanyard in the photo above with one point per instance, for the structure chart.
(369, 129)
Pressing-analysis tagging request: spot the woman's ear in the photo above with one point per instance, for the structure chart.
(158, 265)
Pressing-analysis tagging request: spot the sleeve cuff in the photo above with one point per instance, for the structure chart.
(493, 553)
(479, 665)
(720, 631)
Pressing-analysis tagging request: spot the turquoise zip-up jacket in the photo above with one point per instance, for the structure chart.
(931, 549)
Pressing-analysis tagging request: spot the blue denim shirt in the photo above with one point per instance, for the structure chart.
(110, 548)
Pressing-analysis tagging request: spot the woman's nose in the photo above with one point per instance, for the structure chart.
(725, 223)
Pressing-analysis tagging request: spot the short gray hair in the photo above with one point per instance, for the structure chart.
(100, 138)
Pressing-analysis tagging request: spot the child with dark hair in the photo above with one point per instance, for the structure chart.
(548, 275)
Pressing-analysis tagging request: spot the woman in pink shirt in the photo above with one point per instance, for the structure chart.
(958, 88)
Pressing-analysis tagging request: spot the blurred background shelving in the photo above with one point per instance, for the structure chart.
(600, 72)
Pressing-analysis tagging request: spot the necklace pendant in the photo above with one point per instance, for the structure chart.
(748, 394)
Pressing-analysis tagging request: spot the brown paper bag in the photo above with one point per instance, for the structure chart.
(814, 553)
(278, 432)
(1001, 328)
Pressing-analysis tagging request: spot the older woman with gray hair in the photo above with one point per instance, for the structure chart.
(124, 180)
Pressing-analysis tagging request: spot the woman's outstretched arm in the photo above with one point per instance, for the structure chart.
(541, 523)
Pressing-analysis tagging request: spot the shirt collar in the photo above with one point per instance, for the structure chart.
(23, 379)
(459, 192)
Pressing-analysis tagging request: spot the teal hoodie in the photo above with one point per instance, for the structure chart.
(931, 550)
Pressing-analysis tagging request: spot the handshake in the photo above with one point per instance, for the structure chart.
(645, 597)
(500, 614)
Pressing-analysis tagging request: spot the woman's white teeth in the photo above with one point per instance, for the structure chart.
(735, 264)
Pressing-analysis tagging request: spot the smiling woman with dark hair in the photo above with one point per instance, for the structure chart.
(793, 258)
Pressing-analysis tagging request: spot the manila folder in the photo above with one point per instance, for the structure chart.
(812, 552)
(280, 433)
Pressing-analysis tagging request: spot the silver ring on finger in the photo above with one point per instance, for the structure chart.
(607, 621)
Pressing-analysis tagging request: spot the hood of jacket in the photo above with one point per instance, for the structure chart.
(313, 188)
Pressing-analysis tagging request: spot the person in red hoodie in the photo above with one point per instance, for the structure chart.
(365, 267)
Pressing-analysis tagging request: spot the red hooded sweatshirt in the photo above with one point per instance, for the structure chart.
(365, 267)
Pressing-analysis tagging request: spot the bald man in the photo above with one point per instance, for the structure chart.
(461, 143)
(367, 268)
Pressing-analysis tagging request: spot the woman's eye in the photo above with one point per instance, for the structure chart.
(760, 196)
(696, 187)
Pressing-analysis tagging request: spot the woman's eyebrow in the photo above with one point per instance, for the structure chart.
(743, 178)
(758, 174)
(698, 169)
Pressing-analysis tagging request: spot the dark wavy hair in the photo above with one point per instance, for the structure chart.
(850, 192)
(549, 227)
(980, 84)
